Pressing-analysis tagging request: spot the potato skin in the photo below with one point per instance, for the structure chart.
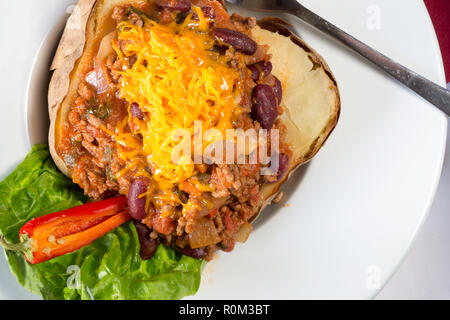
(69, 51)
(74, 47)
(279, 26)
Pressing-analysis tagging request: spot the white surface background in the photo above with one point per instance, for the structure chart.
(425, 272)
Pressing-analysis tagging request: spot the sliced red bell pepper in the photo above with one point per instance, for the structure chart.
(63, 232)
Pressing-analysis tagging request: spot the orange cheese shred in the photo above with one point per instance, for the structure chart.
(177, 79)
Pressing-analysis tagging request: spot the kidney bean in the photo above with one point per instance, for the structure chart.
(132, 60)
(283, 165)
(193, 253)
(148, 245)
(241, 42)
(207, 12)
(136, 204)
(174, 5)
(265, 107)
(136, 111)
(278, 90)
(263, 66)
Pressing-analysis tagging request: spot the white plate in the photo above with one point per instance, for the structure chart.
(354, 211)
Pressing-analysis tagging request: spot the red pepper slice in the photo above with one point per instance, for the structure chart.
(63, 232)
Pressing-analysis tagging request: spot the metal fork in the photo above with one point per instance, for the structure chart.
(435, 94)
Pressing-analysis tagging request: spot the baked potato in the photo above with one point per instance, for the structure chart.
(310, 106)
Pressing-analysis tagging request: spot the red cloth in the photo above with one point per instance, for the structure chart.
(440, 15)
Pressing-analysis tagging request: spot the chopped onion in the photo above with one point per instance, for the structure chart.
(209, 204)
(105, 48)
(243, 233)
(97, 79)
(205, 234)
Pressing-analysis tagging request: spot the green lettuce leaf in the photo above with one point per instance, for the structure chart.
(109, 268)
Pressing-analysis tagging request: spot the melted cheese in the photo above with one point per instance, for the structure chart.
(177, 79)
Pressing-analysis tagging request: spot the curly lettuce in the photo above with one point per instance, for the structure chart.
(108, 269)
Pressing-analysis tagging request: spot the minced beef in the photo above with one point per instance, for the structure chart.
(96, 166)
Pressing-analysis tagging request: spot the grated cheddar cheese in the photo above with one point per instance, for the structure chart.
(177, 79)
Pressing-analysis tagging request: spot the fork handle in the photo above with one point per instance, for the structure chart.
(435, 94)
